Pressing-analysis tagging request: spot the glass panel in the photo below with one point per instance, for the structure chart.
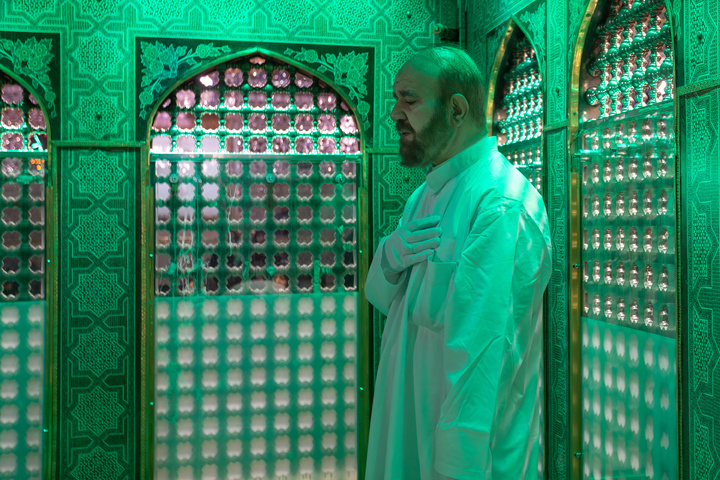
(255, 269)
(627, 191)
(519, 109)
(256, 386)
(23, 143)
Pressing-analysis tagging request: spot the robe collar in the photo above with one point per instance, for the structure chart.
(440, 175)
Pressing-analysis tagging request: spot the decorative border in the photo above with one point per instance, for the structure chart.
(35, 59)
(31, 59)
(348, 70)
(161, 63)
(557, 329)
(165, 62)
(700, 302)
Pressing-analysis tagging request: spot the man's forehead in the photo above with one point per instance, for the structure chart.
(415, 78)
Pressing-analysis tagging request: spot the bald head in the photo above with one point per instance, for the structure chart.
(456, 73)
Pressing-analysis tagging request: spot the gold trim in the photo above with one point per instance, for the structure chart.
(147, 338)
(574, 327)
(146, 269)
(364, 332)
(678, 249)
(50, 387)
(490, 101)
(89, 144)
(513, 23)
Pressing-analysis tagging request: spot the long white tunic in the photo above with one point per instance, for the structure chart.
(457, 386)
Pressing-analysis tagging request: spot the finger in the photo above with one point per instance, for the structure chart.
(427, 244)
(420, 257)
(420, 235)
(422, 223)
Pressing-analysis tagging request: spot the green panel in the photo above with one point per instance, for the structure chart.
(97, 410)
(22, 377)
(700, 117)
(392, 184)
(256, 387)
(699, 37)
(557, 324)
(629, 407)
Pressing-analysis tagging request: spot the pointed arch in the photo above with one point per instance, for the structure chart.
(28, 268)
(269, 215)
(624, 222)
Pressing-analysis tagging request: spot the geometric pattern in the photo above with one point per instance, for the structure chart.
(98, 351)
(70, 24)
(100, 115)
(97, 342)
(98, 56)
(96, 232)
(97, 411)
(98, 174)
(97, 464)
(97, 292)
(700, 170)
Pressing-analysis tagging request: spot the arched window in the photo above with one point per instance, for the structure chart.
(23, 178)
(517, 105)
(255, 166)
(627, 240)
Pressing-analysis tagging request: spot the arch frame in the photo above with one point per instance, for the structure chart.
(146, 270)
(50, 383)
(513, 24)
(574, 225)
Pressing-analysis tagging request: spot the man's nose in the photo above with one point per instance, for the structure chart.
(396, 113)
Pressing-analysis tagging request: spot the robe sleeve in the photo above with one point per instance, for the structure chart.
(379, 290)
(483, 343)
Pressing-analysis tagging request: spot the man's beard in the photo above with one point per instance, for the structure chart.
(427, 143)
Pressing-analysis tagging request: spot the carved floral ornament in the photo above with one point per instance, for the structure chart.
(162, 64)
(31, 60)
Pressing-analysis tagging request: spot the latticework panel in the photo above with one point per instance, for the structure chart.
(255, 226)
(256, 387)
(628, 409)
(255, 167)
(22, 359)
(628, 243)
(518, 116)
(23, 146)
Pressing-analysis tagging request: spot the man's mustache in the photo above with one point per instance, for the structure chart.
(403, 127)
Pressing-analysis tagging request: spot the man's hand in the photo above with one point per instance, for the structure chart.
(410, 244)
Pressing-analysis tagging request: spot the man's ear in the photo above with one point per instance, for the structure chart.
(459, 108)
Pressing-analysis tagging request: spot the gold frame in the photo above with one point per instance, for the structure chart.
(576, 255)
(513, 24)
(50, 397)
(146, 270)
(575, 284)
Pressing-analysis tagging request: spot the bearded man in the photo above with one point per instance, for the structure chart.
(461, 280)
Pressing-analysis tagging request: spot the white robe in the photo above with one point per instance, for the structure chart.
(456, 393)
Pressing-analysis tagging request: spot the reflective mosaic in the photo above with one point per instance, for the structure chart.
(518, 115)
(255, 170)
(23, 144)
(628, 241)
